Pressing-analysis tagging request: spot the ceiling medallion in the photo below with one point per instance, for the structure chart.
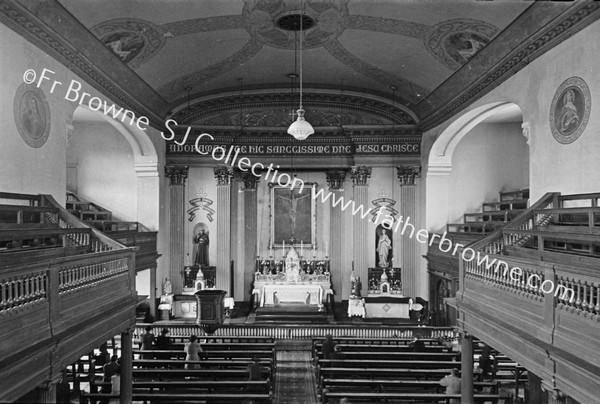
(275, 23)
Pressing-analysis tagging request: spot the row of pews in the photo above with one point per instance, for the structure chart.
(388, 371)
(220, 376)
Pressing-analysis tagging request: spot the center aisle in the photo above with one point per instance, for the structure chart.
(295, 381)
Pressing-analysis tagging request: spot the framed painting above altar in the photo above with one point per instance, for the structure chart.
(293, 216)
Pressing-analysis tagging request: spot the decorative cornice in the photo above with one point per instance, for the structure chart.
(43, 23)
(223, 174)
(575, 18)
(408, 174)
(176, 174)
(346, 102)
(336, 179)
(360, 174)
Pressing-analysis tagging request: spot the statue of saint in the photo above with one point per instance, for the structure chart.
(292, 266)
(384, 245)
(202, 252)
(167, 288)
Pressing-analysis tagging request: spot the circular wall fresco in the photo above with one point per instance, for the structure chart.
(570, 110)
(32, 115)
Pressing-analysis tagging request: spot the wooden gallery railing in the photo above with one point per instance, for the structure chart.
(546, 314)
(576, 287)
(58, 277)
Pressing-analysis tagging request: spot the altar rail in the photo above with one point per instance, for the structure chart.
(549, 313)
(302, 332)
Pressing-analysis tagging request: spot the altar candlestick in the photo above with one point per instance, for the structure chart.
(283, 249)
(326, 249)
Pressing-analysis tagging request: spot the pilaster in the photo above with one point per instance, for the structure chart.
(177, 176)
(223, 175)
(409, 246)
(336, 179)
(251, 232)
(360, 245)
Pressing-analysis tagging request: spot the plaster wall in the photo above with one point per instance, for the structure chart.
(105, 168)
(489, 159)
(567, 168)
(25, 169)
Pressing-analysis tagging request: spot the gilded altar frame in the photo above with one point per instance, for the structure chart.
(293, 214)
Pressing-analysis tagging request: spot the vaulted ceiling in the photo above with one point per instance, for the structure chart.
(402, 61)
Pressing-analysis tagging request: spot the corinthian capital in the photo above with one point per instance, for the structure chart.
(335, 179)
(176, 174)
(360, 174)
(408, 174)
(223, 174)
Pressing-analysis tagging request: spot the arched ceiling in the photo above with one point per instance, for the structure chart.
(380, 49)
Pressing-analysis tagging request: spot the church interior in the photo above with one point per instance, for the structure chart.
(300, 201)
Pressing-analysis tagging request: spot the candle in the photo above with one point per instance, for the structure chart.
(326, 249)
(301, 248)
(283, 249)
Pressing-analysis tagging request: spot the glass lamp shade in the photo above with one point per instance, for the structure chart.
(300, 129)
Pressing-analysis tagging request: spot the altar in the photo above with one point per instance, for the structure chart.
(292, 281)
(387, 307)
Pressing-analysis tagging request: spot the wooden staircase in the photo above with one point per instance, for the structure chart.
(130, 234)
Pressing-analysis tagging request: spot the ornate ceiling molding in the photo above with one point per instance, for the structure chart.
(54, 30)
(337, 102)
(569, 18)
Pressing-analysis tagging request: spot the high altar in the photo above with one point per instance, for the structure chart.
(293, 281)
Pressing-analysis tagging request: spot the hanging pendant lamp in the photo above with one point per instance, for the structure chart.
(301, 129)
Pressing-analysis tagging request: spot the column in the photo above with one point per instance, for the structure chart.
(359, 175)
(177, 176)
(126, 367)
(224, 175)
(152, 296)
(251, 232)
(409, 246)
(466, 378)
(335, 179)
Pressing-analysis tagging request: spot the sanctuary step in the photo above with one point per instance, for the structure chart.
(290, 313)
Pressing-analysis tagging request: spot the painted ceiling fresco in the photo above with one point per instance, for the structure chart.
(403, 48)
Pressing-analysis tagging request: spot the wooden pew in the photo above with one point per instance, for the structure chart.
(203, 374)
(228, 398)
(431, 356)
(208, 354)
(356, 397)
(380, 373)
(168, 365)
(210, 386)
(379, 385)
(361, 363)
(229, 346)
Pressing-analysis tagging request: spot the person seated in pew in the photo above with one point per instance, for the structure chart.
(485, 362)
(103, 357)
(452, 384)
(417, 345)
(146, 343)
(192, 350)
(163, 342)
(328, 346)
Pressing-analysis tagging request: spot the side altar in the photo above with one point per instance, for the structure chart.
(292, 281)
